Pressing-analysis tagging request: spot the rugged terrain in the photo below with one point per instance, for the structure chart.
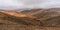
(34, 19)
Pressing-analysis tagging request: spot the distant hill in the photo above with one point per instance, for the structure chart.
(30, 11)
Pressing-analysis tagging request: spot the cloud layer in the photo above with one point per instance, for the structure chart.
(20, 4)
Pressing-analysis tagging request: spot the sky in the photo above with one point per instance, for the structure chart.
(22, 4)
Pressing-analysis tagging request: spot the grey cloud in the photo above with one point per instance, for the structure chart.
(20, 4)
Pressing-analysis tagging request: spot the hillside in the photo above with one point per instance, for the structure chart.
(15, 22)
(49, 17)
(41, 19)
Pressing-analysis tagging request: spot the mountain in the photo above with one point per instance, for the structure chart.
(34, 19)
(30, 11)
(48, 17)
(44, 17)
(15, 20)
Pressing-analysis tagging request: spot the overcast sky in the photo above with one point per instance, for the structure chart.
(20, 4)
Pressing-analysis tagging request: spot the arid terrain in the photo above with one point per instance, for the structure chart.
(34, 19)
